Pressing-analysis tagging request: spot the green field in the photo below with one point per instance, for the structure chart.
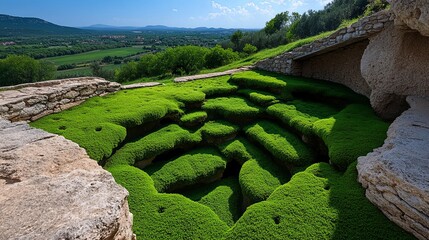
(225, 158)
(94, 55)
(83, 71)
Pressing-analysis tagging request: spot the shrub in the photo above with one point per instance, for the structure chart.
(249, 49)
(219, 57)
(22, 69)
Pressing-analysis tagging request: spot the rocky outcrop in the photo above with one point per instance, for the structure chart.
(51, 189)
(35, 100)
(413, 13)
(395, 65)
(396, 176)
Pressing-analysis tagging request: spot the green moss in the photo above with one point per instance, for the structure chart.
(353, 132)
(114, 113)
(200, 165)
(318, 203)
(259, 175)
(297, 86)
(251, 79)
(152, 145)
(301, 115)
(223, 197)
(259, 97)
(165, 216)
(193, 119)
(234, 109)
(218, 129)
(283, 145)
(218, 86)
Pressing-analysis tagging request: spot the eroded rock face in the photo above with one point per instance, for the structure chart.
(413, 13)
(51, 189)
(396, 175)
(395, 65)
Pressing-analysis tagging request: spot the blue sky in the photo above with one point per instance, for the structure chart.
(175, 13)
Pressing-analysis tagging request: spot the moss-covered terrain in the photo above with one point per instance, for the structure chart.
(250, 156)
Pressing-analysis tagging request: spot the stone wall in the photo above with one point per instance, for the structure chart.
(332, 67)
(35, 100)
(286, 63)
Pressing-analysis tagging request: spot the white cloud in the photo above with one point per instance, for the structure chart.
(174, 10)
(324, 2)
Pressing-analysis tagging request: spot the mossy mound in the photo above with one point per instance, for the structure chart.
(236, 157)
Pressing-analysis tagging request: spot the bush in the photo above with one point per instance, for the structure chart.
(249, 49)
(22, 69)
(219, 57)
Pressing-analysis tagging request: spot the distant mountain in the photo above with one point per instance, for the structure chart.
(102, 27)
(23, 26)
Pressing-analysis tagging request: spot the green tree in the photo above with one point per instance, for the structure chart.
(277, 23)
(235, 39)
(249, 49)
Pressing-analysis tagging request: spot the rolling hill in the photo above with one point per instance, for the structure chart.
(24, 26)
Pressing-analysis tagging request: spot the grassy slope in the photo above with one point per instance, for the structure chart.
(267, 53)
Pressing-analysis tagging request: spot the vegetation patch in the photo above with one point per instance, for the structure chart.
(239, 170)
(233, 108)
(283, 145)
(193, 119)
(198, 167)
(259, 97)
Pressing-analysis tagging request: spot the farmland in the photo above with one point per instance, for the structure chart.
(249, 156)
(95, 55)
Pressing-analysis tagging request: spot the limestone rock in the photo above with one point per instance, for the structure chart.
(395, 65)
(51, 189)
(396, 175)
(413, 13)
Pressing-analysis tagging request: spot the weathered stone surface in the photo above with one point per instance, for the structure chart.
(28, 101)
(210, 75)
(395, 65)
(332, 67)
(52, 190)
(413, 13)
(140, 85)
(396, 175)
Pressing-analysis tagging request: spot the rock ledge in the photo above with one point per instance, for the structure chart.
(396, 175)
